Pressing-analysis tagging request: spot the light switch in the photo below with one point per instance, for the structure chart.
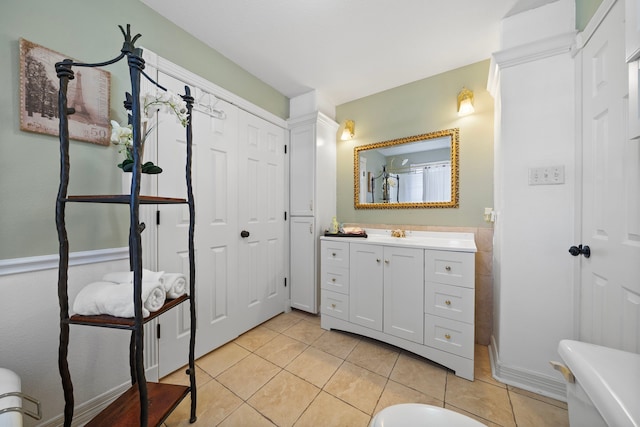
(548, 175)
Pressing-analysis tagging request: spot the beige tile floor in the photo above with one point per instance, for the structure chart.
(290, 372)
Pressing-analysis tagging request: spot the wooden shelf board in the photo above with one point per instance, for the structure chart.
(124, 199)
(107, 321)
(125, 410)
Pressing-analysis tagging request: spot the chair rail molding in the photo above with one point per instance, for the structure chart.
(50, 262)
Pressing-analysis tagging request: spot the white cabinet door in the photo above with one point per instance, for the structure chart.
(302, 170)
(303, 273)
(404, 293)
(365, 285)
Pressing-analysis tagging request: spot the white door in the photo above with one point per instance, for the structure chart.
(214, 162)
(609, 309)
(303, 256)
(173, 231)
(364, 184)
(261, 231)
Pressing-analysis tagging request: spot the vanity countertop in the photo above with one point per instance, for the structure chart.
(440, 240)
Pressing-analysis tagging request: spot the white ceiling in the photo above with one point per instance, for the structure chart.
(345, 49)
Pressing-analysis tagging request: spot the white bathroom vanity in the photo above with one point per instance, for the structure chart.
(415, 292)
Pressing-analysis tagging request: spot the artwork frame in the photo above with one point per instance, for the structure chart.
(88, 93)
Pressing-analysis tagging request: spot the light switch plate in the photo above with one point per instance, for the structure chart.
(547, 175)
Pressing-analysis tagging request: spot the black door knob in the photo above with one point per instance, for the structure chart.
(580, 250)
(244, 234)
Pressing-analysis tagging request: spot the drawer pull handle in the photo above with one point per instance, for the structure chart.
(333, 279)
(333, 306)
(447, 302)
(448, 268)
(447, 336)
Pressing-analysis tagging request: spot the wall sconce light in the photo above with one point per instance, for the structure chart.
(465, 102)
(349, 130)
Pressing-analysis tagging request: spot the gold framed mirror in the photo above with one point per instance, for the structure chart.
(419, 171)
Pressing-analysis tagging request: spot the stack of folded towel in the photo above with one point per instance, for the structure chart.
(113, 295)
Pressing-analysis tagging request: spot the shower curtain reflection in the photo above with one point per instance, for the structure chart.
(427, 183)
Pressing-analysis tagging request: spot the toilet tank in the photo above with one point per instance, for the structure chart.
(606, 391)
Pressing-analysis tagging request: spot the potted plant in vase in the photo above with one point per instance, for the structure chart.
(122, 136)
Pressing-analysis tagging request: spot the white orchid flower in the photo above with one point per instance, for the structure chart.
(120, 135)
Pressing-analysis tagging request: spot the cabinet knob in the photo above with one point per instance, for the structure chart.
(386, 261)
(448, 268)
(447, 336)
(333, 306)
(448, 302)
(377, 260)
(333, 279)
(333, 254)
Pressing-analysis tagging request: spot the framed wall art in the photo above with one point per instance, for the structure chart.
(88, 93)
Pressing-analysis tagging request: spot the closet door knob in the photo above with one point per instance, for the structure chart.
(580, 250)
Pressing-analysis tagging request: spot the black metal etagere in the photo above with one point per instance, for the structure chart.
(143, 403)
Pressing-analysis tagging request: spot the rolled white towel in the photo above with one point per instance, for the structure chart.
(119, 277)
(175, 284)
(117, 300)
(155, 299)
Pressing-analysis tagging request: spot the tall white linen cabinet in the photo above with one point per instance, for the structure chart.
(312, 202)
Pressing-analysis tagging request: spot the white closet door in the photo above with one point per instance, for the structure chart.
(261, 219)
(238, 179)
(217, 221)
(610, 284)
(173, 231)
(214, 173)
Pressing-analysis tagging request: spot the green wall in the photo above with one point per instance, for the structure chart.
(86, 30)
(584, 12)
(420, 107)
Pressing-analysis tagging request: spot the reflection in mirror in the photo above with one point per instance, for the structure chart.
(418, 171)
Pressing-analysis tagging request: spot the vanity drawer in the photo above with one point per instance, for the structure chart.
(452, 268)
(334, 304)
(334, 254)
(336, 279)
(451, 302)
(449, 335)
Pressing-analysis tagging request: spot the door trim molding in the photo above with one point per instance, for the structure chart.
(174, 70)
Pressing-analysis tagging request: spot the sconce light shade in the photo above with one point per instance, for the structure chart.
(465, 102)
(349, 130)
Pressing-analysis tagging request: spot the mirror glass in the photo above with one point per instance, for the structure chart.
(419, 171)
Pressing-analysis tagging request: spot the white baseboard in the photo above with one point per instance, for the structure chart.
(49, 262)
(525, 379)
